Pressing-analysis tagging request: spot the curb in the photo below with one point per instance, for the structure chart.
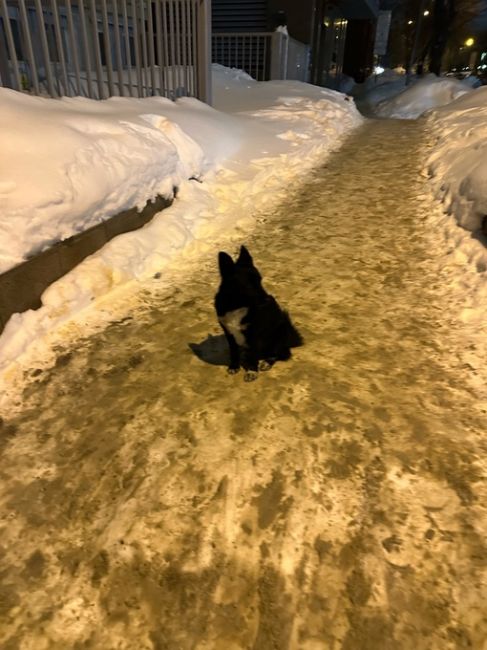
(22, 286)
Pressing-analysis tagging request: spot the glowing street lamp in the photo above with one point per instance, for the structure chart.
(426, 13)
(410, 22)
(469, 42)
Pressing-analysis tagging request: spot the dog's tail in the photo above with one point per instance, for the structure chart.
(295, 340)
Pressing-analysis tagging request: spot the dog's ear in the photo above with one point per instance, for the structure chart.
(225, 264)
(244, 258)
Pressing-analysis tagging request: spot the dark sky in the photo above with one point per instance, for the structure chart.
(478, 25)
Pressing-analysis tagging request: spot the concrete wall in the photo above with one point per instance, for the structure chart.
(21, 287)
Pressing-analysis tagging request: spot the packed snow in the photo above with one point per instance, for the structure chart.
(457, 114)
(71, 163)
(457, 165)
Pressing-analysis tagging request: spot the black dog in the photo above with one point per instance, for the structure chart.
(258, 331)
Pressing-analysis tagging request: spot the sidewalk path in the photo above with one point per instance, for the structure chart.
(151, 501)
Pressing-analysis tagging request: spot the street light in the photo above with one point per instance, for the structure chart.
(426, 13)
(469, 42)
(410, 22)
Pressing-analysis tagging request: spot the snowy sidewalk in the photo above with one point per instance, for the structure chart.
(260, 140)
(149, 500)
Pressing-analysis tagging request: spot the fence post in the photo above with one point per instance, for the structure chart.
(5, 78)
(204, 51)
(60, 49)
(279, 45)
(28, 44)
(4, 69)
(44, 46)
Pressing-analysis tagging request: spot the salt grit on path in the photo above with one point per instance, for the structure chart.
(149, 500)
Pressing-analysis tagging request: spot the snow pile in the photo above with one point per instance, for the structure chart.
(377, 88)
(270, 135)
(347, 84)
(472, 81)
(234, 91)
(425, 94)
(68, 164)
(458, 163)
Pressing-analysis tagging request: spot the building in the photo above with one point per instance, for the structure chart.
(332, 37)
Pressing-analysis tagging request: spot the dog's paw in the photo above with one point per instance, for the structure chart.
(265, 365)
(250, 375)
(233, 371)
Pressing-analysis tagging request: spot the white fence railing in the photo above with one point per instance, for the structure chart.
(100, 48)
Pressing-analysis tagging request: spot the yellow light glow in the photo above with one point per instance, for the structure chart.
(426, 13)
(469, 42)
(410, 22)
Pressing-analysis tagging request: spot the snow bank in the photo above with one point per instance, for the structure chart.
(377, 88)
(458, 163)
(234, 91)
(347, 84)
(425, 94)
(270, 135)
(472, 81)
(68, 164)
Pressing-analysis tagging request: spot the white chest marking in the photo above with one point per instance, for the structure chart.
(232, 321)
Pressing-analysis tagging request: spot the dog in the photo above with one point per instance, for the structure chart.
(258, 331)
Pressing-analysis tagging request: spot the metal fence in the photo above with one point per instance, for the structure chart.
(100, 48)
(249, 51)
(263, 55)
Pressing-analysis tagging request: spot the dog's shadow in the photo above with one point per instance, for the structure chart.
(213, 350)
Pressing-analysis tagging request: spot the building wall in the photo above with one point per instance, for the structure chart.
(359, 49)
(299, 14)
(340, 32)
(239, 15)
